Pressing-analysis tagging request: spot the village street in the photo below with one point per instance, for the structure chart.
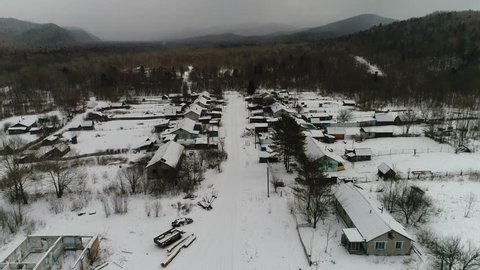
(245, 230)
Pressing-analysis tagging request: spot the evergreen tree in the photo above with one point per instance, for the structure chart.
(288, 139)
(251, 87)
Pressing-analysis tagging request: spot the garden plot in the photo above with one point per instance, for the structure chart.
(137, 110)
(394, 145)
(114, 135)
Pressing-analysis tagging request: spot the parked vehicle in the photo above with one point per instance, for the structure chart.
(181, 221)
(168, 237)
(190, 196)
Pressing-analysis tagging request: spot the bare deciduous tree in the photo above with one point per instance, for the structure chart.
(344, 115)
(132, 177)
(15, 176)
(63, 176)
(409, 118)
(470, 201)
(157, 207)
(412, 202)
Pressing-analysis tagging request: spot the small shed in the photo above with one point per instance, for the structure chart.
(349, 102)
(261, 127)
(213, 131)
(386, 172)
(257, 119)
(359, 154)
(387, 118)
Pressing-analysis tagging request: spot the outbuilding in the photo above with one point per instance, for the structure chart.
(386, 172)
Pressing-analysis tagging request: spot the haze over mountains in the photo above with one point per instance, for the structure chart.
(13, 31)
(332, 30)
(23, 32)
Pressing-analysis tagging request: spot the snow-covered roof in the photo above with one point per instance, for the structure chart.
(260, 111)
(213, 128)
(277, 107)
(202, 101)
(186, 124)
(379, 129)
(384, 168)
(368, 220)
(316, 133)
(349, 102)
(195, 108)
(315, 149)
(261, 125)
(353, 235)
(87, 124)
(363, 152)
(208, 117)
(318, 115)
(386, 117)
(336, 130)
(171, 110)
(169, 154)
(28, 122)
(62, 147)
(352, 131)
(163, 122)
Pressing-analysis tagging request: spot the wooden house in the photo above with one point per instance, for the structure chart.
(387, 118)
(331, 161)
(186, 129)
(52, 151)
(22, 126)
(165, 161)
(195, 112)
(369, 230)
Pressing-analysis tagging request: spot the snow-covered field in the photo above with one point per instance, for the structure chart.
(114, 135)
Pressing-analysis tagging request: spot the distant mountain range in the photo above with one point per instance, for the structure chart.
(17, 31)
(244, 29)
(13, 31)
(289, 34)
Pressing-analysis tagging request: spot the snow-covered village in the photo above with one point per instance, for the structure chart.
(350, 145)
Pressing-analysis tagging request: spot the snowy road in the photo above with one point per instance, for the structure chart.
(245, 230)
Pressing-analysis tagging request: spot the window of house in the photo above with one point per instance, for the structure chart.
(399, 244)
(380, 245)
(354, 246)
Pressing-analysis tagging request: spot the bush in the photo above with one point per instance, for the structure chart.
(148, 208)
(157, 206)
(119, 203)
(277, 183)
(56, 206)
(106, 206)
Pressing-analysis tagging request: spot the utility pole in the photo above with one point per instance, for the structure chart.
(268, 180)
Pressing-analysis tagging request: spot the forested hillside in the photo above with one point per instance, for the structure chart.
(431, 59)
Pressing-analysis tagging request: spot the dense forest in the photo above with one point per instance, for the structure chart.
(433, 58)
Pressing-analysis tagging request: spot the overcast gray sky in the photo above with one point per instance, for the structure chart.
(154, 19)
